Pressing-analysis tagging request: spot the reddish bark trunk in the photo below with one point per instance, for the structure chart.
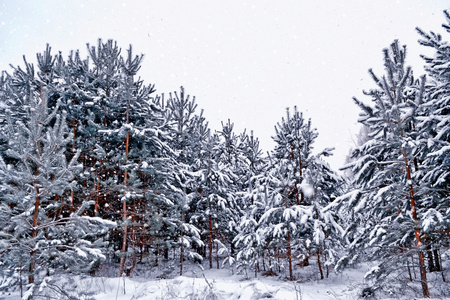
(33, 235)
(124, 207)
(423, 271)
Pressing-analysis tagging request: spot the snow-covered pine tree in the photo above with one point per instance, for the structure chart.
(231, 155)
(433, 172)
(184, 124)
(74, 85)
(385, 192)
(129, 68)
(324, 186)
(212, 209)
(103, 117)
(252, 199)
(107, 108)
(95, 97)
(147, 161)
(86, 92)
(288, 212)
(200, 212)
(33, 169)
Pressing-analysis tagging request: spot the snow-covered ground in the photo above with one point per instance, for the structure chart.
(219, 284)
(214, 284)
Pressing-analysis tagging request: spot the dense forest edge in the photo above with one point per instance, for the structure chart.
(100, 175)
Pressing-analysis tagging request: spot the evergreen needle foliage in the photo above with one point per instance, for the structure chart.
(99, 172)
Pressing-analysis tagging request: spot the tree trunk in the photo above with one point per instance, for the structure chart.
(437, 262)
(33, 235)
(289, 255)
(73, 151)
(278, 261)
(124, 240)
(97, 190)
(270, 260)
(319, 264)
(36, 211)
(423, 274)
(409, 269)
(210, 235)
(256, 269)
(414, 269)
(431, 266)
(71, 202)
(423, 271)
(181, 244)
(299, 197)
(422, 266)
(124, 206)
(327, 273)
(133, 238)
(217, 255)
(263, 261)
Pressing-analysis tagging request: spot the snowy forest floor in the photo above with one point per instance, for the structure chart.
(163, 283)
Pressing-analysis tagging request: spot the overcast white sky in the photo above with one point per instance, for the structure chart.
(243, 60)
